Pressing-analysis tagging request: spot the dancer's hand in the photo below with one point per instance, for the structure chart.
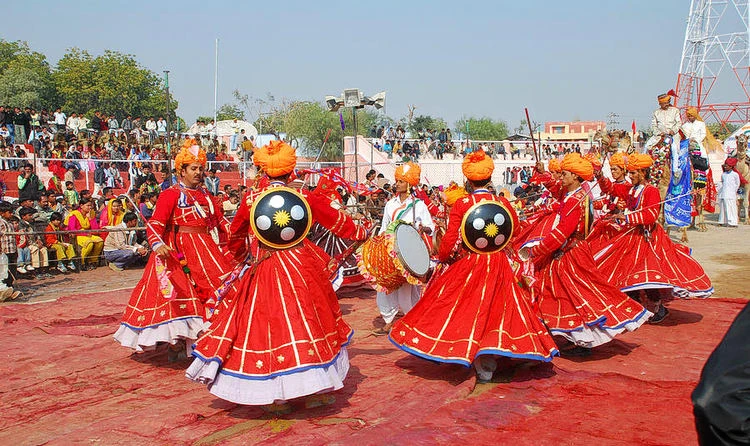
(163, 251)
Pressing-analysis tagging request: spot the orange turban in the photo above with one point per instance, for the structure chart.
(276, 159)
(619, 160)
(189, 155)
(453, 194)
(576, 164)
(477, 166)
(666, 98)
(692, 112)
(638, 161)
(594, 160)
(553, 165)
(409, 172)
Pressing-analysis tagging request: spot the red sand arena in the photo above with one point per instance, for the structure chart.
(67, 382)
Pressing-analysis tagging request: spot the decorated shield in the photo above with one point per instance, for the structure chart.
(280, 217)
(487, 227)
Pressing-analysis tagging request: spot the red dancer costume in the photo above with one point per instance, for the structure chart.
(574, 298)
(533, 229)
(172, 310)
(615, 201)
(642, 257)
(475, 308)
(278, 333)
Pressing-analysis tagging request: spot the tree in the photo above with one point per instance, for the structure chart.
(113, 83)
(307, 124)
(25, 77)
(229, 112)
(482, 129)
(426, 122)
(721, 132)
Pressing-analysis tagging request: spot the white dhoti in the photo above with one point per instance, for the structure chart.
(404, 298)
(728, 212)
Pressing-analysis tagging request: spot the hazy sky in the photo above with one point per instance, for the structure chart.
(562, 60)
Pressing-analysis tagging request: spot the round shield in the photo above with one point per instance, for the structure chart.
(280, 217)
(487, 227)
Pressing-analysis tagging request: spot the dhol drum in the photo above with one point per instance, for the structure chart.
(397, 256)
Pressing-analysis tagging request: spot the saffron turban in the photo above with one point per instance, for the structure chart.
(619, 160)
(578, 165)
(276, 159)
(692, 112)
(409, 172)
(666, 98)
(477, 166)
(453, 194)
(189, 155)
(638, 161)
(553, 165)
(594, 160)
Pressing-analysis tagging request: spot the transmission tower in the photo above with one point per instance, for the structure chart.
(717, 40)
(613, 121)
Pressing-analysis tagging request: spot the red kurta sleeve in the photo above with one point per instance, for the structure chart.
(555, 189)
(157, 225)
(648, 209)
(336, 221)
(432, 208)
(570, 214)
(239, 229)
(454, 224)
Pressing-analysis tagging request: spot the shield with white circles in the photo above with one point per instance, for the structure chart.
(487, 227)
(280, 217)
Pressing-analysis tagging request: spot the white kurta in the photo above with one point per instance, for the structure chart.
(695, 130)
(665, 121)
(406, 296)
(730, 182)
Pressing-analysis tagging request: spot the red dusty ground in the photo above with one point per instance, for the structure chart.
(67, 382)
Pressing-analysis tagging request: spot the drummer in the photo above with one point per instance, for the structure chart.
(404, 207)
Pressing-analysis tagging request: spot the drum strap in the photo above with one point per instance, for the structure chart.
(403, 211)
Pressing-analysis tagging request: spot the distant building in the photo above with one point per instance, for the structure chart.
(569, 131)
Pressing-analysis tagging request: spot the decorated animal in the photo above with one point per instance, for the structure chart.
(743, 167)
(614, 141)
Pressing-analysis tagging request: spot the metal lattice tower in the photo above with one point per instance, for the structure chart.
(708, 55)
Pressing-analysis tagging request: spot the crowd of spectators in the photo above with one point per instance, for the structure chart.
(112, 148)
(56, 229)
(436, 144)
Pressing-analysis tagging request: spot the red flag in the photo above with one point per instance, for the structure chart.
(633, 126)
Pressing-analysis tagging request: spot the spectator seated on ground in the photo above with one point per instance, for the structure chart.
(111, 215)
(37, 251)
(23, 262)
(120, 248)
(90, 244)
(148, 204)
(231, 204)
(64, 252)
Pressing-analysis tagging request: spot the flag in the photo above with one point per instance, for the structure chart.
(633, 127)
(341, 120)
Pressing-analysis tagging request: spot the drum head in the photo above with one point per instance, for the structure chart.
(487, 227)
(280, 217)
(411, 250)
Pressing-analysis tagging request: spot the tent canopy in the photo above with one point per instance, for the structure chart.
(224, 128)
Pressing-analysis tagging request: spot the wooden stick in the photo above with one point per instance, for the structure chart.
(531, 132)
